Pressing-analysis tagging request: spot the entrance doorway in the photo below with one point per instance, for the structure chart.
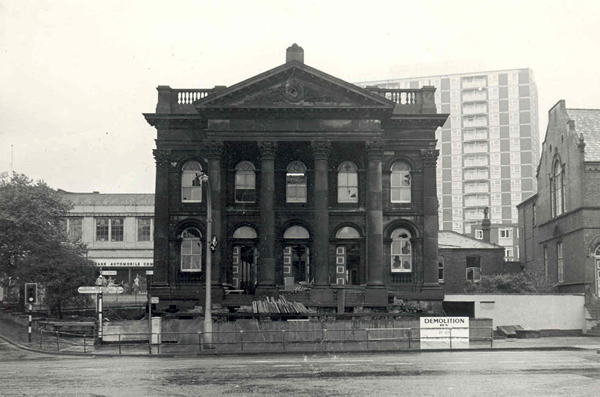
(244, 268)
(296, 260)
(296, 257)
(245, 259)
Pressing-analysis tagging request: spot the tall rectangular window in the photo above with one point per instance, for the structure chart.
(473, 269)
(75, 229)
(116, 232)
(144, 230)
(560, 263)
(102, 229)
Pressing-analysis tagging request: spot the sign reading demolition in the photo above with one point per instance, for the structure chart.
(444, 332)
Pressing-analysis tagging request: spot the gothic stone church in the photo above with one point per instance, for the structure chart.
(318, 187)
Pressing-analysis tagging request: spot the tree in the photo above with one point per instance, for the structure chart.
(34, 246)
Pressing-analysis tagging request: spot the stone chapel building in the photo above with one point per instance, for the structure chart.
(317, 186)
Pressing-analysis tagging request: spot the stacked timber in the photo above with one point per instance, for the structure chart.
(281, 305)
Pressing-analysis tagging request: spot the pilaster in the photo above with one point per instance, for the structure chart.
(430, 220)
(376, 294)
(161, 218)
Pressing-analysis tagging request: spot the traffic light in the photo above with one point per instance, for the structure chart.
(30, 292)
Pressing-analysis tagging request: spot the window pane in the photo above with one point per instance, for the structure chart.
(102, 229)
(116, 232)
(352, 179)
(196, 194)
(75, 228)
(186, 262)
(144, 229)
(186, 247)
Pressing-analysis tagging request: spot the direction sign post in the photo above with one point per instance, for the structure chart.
(99, 291)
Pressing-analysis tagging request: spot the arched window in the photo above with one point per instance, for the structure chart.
(557, 187)
(296, 183)
(347, 183)
(401, 183)
(401, 251)
(245, 182)
(191, 250)
(296, 232)
(245, 232)
(191, 184)
(347, 232)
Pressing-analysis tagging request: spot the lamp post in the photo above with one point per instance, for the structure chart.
(208, 275)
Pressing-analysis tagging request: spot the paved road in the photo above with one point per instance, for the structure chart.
(521, 373)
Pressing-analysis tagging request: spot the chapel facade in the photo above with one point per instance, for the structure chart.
(316, 186)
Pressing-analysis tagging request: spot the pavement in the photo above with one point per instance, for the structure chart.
(17, 336)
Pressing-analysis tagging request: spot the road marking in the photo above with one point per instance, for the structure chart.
(287, 365)
(400, 364)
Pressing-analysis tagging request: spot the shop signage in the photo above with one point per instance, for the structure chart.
(109, 272)
(127, 262)
(444, 332)
(100, 290)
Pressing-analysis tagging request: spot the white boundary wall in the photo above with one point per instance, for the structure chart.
(548, 311)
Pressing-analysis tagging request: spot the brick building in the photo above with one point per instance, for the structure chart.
(463, 259)
(560, 225)
(313, 181)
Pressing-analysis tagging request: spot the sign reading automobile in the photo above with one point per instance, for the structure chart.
(124, 262)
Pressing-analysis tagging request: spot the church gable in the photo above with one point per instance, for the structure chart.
(293, 86)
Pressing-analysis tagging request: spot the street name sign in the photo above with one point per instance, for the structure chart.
(100, 290)
(444, 332)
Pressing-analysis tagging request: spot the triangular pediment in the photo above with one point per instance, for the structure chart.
(293, 86)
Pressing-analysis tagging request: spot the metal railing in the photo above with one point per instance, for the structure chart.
(240, 342)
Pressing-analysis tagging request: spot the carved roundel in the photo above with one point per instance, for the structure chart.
(294, 91)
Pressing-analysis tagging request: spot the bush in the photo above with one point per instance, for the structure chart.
(515, 283)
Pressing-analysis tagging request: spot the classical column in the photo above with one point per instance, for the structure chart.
(430, 220)
(321, 152)
(266, 261)
(214, 152)
(321, 294)
(375, 263)
(161, 218)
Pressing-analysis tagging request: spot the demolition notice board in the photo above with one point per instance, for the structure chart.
(444, 332)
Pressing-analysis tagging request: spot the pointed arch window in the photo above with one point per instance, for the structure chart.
(401, 251)
(191, 250)
(347, 182)
(296, 183)
(557, 189)
(245, 182)
(401, 181)
(191, 184)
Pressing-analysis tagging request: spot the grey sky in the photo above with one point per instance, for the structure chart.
(77, 75)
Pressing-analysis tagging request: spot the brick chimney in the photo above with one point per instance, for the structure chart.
(486, 225)
(294, 53)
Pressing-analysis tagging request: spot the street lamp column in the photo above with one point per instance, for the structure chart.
(208, 275)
